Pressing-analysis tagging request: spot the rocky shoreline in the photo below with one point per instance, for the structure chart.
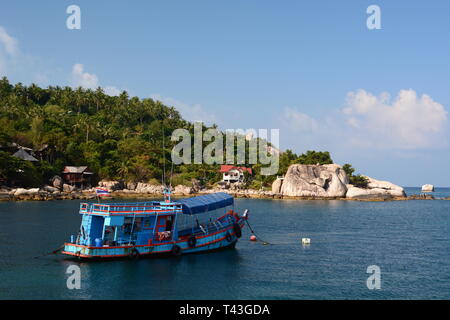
(37, 194)
(302, 182)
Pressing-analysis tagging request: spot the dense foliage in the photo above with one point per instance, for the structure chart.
(356, 180)
(310, 157)
(117, 137)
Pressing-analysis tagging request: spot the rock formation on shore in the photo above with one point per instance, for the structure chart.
(330, 181)
(276, 185)
(428, 188)
(301, 181)
(376, 189)
(322, 181)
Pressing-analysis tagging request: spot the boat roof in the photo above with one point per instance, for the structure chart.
(202, 204)
(195, 205)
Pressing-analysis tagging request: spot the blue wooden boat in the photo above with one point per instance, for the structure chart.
(132, 230)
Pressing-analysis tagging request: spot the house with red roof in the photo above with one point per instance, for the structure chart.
(233, 174)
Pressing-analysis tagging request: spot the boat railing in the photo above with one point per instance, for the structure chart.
(126, 208)
(209, 227)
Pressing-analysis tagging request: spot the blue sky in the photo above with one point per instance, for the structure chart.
(375, 98)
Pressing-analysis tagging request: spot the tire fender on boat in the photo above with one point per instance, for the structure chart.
(134, 254)
(229, 237)
(176, 250)
(192, 242)
(237, 230)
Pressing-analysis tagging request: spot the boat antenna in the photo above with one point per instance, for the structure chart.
(164, 159)
(171, 175)
(170, 182)
(166, 190)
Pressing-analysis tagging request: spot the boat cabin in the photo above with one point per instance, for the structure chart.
(127, 223)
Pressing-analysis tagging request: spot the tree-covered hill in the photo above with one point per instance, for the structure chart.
(117, 137)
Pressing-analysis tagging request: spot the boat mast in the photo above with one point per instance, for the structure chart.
(166, 190)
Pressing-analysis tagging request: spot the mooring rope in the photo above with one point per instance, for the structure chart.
(257, 237)
(56, 251)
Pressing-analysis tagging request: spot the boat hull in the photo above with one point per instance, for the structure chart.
(222, 239)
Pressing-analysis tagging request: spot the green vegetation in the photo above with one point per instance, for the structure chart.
(14, 170)
(118, 137)
(314, 157)
(356, 180)
(310, 157)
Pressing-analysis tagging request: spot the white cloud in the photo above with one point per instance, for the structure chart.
(190, 112)
(83, 79)
(112, 91)
(9, 51)
(407, 122)
(9, 43)
(2, 67)
(298, 121)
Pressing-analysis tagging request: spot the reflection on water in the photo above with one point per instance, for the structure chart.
(409, 240)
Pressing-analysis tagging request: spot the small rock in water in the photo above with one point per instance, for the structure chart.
(428, 188)
(306, 241)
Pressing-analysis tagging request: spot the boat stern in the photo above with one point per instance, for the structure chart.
(72, 249)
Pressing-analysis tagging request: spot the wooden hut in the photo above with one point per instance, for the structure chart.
(77, 176)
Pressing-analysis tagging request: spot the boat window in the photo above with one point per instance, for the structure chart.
(109, 234)
(169, 223)
(138, 224)
(128, 226)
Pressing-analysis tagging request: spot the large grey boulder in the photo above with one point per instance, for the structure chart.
(183, 190)
(428, 188)
(50, 189)
(366, 194)
(149, 188)
(131, 185)
(276, 186)
(196, 185)
(386, 185)
(57, 182)
(68, 188)
(21, 191)
(111, 185)
(322, 181)
(376, 190)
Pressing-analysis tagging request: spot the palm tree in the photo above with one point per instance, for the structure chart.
(99, 98)
(83, 122)
(124, 169)
(79, 96)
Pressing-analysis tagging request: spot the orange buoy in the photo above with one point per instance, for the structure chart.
(253, 238)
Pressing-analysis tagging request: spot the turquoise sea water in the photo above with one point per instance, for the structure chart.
(408, 240)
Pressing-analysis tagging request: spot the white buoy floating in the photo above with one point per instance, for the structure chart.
(306, 241)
